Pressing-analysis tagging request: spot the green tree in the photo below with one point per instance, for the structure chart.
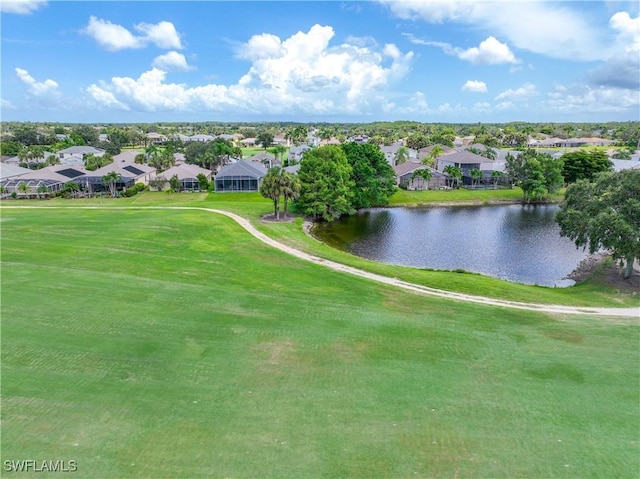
(417, 141)
(110, 180)
(434, 154)
(579, 165)
(605, 213)
(175, 184)
(72, 188)
(455, 174)
(203, 182)
(42, 190)
(88, 134)
(291, 188)
(271, 188)
(401, 156)
(326, 184)
(476, 176)
(374, 179)
(622, 155)
(279, 151)
(424, 174)
(265, 139)
(52, 159)
(538, 174)
(23, 188)
(496, 175)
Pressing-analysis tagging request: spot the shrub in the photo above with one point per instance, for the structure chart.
(132, 191)
(141, 187)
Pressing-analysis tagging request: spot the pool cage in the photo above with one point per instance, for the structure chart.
(238, 183)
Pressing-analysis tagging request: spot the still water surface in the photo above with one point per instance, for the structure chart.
(517, 243)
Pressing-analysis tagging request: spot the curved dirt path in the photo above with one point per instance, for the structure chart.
(246, 224)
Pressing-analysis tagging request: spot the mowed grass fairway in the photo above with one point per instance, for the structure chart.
(155, 344)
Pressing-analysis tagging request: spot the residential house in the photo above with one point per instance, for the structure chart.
(243, 175)
(426, 151)
(297, 152)
(404, 177)
(226, 137)
(9, 170)
(154, 138)
(79, 151)
(201, 137)
(463, 159)
(188, 176)
(50, 178)
(266, 159)
(129, 174)
(390, 152)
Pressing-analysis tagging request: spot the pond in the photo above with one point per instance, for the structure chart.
(513, 242)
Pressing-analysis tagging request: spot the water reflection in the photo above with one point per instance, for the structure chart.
(515, 243)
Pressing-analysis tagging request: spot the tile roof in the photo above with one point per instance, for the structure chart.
(243, 168)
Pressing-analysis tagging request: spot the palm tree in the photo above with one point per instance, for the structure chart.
(271, 188)
(140, 159)
(455, 173)
(110, 180)
(490, 153)
(153, 152)
(476, 175)
(401, 156)
(72, 187)
(424, 174)
(496, 175)
(291, 187)
(279, 151)
(435, 152)
(42, 190)
(23, 188)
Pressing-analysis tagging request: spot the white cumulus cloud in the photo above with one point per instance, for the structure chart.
(34, 87)
(302, 74)
(113, 37)
(622, 70)
(559, 30)
(21, 6)
(475, 86)
(525, 92)
(171, 62)
(490, 51)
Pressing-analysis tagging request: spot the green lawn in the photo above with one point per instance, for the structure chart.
(414, 198)
(172, 344)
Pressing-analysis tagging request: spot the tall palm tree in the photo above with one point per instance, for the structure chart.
(496, 175)
(42, 190)
(476, 175)
(23, 188)
(434, 154)
(279, 151)
(271, 187)
(401, 156)
(455, 173)
(291, 188)
(424, 174)
(110, 180)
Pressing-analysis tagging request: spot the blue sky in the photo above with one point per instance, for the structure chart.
(454, 61)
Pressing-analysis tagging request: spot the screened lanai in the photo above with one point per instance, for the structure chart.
(240, 176)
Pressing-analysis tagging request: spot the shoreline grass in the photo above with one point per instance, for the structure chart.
(592, 292)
